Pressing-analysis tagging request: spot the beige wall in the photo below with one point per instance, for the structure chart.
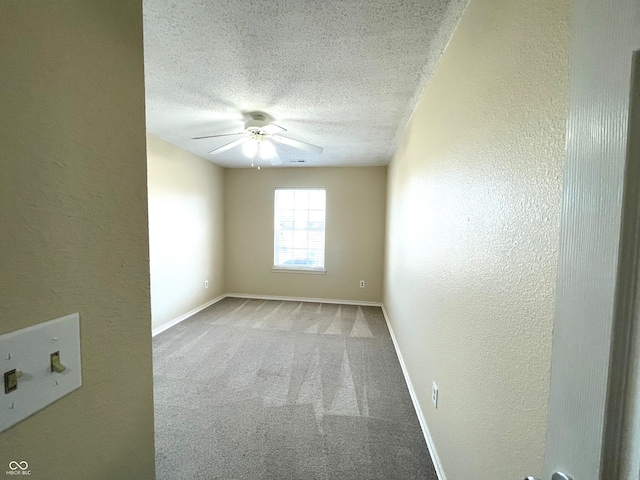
(186, 230)
(472, 234)
(354, 232)
(73, 210)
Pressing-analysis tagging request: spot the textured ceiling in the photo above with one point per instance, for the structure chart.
(344, 75)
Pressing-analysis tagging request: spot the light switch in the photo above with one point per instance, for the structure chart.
(10, 381)
(56, 366)
(41, 364)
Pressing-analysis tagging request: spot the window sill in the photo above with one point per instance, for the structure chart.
(298, 270)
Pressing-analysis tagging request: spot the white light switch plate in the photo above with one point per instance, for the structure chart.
(29, 350)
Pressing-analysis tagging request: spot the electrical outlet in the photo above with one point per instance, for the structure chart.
(206, 284)
(434, 394)
(361, 283)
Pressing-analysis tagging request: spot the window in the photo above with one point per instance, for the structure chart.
(299, 229)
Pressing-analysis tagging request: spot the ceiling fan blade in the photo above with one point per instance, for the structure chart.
(297, 144)
(229, 146)
(275, 159)
(214, 136)
(272, 128)
(267, 151)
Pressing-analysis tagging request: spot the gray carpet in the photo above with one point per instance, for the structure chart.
(264, 389)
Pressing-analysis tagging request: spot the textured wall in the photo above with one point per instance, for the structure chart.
(354, 232)
(74, 227)
(186, 230)
(472, 236)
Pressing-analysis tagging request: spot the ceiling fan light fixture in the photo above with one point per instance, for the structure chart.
(250, 148)
(267, 150)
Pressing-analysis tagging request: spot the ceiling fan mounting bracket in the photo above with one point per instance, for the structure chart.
(257, 121)
(261, 117)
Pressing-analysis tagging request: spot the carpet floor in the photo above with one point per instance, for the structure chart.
(263, 389)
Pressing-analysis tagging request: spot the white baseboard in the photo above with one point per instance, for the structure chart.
(416, 405)
(175, 321)
(305, 299)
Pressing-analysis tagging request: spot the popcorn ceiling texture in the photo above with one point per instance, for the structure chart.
(473, 214)
(342, 75)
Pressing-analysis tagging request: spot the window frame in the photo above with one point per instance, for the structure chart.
(303, 268)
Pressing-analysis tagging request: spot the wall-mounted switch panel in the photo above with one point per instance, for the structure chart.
(40, 364)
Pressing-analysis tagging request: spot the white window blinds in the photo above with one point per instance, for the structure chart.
(299, 228)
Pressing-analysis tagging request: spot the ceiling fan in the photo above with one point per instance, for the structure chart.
(257, 140)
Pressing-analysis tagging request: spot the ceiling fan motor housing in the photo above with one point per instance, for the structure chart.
(257, 122)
